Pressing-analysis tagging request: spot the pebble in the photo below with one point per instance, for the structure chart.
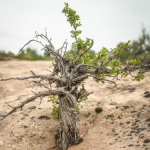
(128, 122)
(148, 120)
(147, 141)
(146, 92)
(32, 107)
(121, 123)
(125, 107)
(44, 117)
(147, 95)
(119, 117)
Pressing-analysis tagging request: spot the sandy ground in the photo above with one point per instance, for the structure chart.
(123, 124)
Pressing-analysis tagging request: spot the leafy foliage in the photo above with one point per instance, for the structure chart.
(4, 54)
(55, 110)
(28, 54)
(31, 54)
(137, 48)
(105, 58)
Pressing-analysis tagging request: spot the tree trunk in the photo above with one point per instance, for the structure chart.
(68, 133)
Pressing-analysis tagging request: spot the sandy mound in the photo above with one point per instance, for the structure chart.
(123, 124)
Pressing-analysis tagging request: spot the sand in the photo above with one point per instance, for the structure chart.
(124, 122)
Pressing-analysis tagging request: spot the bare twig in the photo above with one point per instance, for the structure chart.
(44, 77)
(30, 42)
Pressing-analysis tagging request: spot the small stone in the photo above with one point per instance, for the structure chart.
(136, 120)
(98, 103)
(42, 137)
(133, 111)
(140, 129)
(147, 95)
(33, 107)
(87, 115)
(110, 116)
(147, 141)
(44, 117)
(146, 92)
(25, 126)
(98, 110)
(121, 123)
(128, 122)
(137, 132)
(125, 107)
(132, 131)
(119, 117)
(85, 124)
(133, 124)
(138, 115)
(141, 136)
(130, 145)
(148, 120)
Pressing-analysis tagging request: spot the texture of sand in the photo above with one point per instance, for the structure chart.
(123, 124)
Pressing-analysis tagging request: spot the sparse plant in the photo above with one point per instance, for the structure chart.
(69, 72)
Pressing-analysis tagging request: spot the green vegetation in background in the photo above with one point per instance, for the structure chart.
(137, 48)
(4, 54)
(28, 54)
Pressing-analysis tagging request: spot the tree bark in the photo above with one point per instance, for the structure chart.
(68, 133)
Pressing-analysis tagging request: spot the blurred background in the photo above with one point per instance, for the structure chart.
(108, 23)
